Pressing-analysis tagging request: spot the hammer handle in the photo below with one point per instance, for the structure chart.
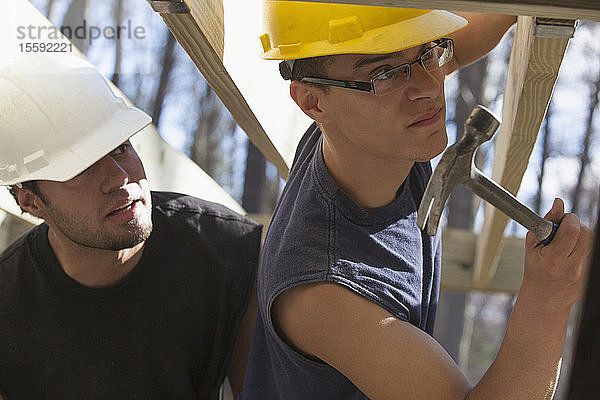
(503, 200)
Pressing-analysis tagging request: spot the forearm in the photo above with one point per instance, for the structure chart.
(528, 361)
(482, 34)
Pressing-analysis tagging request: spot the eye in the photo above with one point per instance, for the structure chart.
(385, 74)
(430, 58)
(428, 55)
(396, 73)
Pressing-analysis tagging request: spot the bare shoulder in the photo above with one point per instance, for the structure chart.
(301, 313)
(375, 350)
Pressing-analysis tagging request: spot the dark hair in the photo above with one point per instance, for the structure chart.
(312, 66)
(29, 185)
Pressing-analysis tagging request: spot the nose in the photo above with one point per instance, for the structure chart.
(424, 84)
(113, 174)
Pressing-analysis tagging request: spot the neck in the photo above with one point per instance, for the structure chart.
(371, 182)
(91, 267)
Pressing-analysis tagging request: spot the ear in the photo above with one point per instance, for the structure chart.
(31, 203)
(309, 99)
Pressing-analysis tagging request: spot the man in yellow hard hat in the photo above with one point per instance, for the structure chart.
(348, 284)
(122, 292)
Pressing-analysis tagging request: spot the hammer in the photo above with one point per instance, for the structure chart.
(457, 167)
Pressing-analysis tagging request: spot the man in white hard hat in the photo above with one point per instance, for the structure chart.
(348, 284)
(121, 292)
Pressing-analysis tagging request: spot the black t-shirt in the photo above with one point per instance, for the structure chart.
(166, 332)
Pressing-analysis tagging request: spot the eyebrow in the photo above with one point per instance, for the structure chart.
(361, 62)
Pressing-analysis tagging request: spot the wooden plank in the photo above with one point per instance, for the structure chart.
(201, 33)
(576, 9)
(458, 262)
(533, 70)
(267, 94)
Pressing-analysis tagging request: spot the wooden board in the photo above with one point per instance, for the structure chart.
(532, 74)
(576, 9)
(201, 33)
(458, 262)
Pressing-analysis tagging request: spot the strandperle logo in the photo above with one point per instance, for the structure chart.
(82, 32)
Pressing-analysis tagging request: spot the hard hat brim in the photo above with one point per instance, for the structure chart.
(89, 151)
(76, 159)
(409, 33)
(59, 117)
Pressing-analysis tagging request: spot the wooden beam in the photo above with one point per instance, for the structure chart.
(533, 70)
(200, 31)
(572, 9)
(458, 262)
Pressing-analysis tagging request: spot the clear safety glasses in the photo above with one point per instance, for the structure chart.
(435, 55)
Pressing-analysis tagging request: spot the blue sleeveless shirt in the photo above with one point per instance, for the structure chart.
(318, 234)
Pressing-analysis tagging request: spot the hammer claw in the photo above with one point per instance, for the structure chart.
(457, 167)
(424, 210)
(436, 211)
(432, 203)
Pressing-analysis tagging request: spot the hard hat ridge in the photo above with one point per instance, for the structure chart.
(298, 29)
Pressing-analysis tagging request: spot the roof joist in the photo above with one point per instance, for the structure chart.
(533, 69)
(572, 9)
(198, 25)
(537, 54)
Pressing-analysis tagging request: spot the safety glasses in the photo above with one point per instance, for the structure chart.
(435, 55)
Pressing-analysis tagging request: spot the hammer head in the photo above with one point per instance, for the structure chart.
(455, 167)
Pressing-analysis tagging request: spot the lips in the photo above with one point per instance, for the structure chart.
(426, 118)
(122, 206)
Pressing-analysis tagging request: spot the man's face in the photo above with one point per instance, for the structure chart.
(408, 124)
(107, 206)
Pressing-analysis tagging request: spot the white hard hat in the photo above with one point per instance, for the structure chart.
(58, 116)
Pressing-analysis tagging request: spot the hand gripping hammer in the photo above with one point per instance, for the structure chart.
(457, 167)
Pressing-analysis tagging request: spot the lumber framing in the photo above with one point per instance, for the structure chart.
(536, 57)
(533, 69)
(572, 9)
(459, 249)
(198, 25)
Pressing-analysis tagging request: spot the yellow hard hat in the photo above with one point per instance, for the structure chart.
(298, 29)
